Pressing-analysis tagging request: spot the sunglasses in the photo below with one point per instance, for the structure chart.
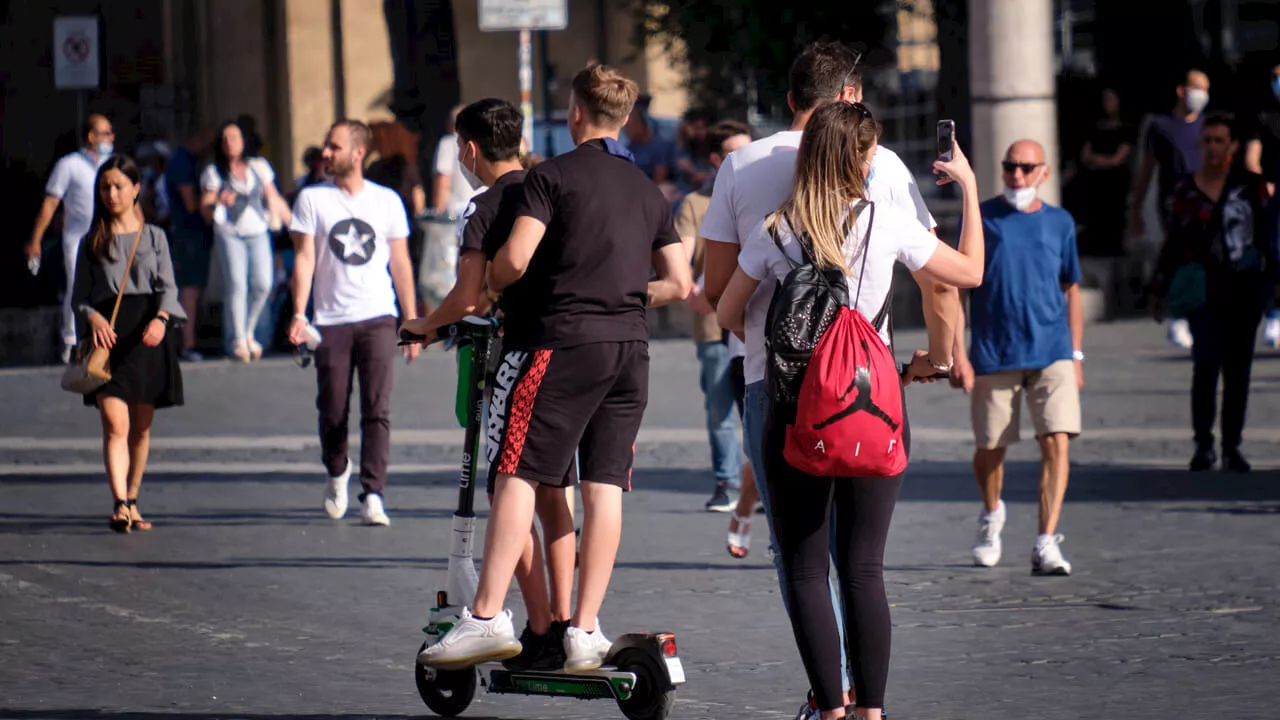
(1026, 168)
(303, 356)
(856, 59)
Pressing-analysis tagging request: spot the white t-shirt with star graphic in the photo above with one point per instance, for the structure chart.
(352, 236)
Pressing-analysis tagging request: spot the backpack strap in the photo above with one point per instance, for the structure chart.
(866, 248)
(777, 241)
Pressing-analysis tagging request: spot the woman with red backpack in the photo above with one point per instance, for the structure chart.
(837, 442)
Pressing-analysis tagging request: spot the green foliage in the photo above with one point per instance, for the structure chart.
(736, 49)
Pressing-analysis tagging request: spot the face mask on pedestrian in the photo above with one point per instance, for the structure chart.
(470, 174)
(1197, 99)
(1022, 198)
(104, 149)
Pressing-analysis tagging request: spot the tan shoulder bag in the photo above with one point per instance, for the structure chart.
(89, 369)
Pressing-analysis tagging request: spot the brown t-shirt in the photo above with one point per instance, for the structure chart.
(688, 219)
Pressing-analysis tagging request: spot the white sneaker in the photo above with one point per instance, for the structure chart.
(472, 642)
(987, 548)
(335, 494)
(1046, 558)
(1271, 333)
(1180, 333)
(373, 514)
(584, 650)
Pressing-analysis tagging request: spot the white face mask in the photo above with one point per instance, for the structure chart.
(104, 149)
(470, 174)
(1022, 198)
(1196, 99)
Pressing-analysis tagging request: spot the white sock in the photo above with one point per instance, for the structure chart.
(1042, 540)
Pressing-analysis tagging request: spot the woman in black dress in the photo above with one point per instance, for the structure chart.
(1106, 160)
(144, 348)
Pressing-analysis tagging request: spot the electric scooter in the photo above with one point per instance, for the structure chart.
(642, 670)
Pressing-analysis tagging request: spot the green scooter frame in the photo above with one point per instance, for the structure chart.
(643, 669)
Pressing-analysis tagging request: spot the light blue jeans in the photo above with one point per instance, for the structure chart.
(755, 411)
(247, 272)
(717, 391)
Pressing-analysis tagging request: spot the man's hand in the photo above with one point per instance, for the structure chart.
(411, 352)
(154, 334)
(297, 330)
(1079, 374)
(418, 326)
(697, 302)
(33, 249)
(103, 336)
(962, 374)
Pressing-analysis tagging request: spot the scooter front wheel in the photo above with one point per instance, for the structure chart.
(653, 695)
(447, 692)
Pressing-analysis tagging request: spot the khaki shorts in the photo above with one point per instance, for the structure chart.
(1052, 396)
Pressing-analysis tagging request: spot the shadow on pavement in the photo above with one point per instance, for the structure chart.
(325, 563)
(70, 714)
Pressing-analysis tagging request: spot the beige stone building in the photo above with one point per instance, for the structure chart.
(293, 65)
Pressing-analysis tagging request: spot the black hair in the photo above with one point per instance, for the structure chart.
(220, 159)
(496, 126)
(1221, 118)
(100, 229)
(821, 72)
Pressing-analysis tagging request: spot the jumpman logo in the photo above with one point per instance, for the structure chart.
(862, 402)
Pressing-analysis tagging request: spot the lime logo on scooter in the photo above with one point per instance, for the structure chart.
(506, 378)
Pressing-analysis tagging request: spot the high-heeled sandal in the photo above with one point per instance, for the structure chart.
(121, 519)
(241, 352)
(255, 350)
(740, 540)
(138, 523)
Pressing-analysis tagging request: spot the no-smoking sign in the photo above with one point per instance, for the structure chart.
(75, 52)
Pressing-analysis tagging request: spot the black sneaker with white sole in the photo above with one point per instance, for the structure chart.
(720, 500)
(540, 652)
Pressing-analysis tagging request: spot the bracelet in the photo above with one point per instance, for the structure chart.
(1077, 355)
(164, 320)
(940, 368)
(300, 316)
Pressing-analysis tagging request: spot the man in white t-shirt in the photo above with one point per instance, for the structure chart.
(360, 270)
(450, 191)
(72, 184)
(754, 181)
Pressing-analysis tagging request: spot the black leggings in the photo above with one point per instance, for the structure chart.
(801, 507)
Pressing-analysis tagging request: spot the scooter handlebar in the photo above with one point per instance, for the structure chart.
(468, 327)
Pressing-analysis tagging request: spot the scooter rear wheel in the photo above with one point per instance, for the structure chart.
(449, 692)
(652, 696)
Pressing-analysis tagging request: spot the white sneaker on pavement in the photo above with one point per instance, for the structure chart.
(585, 650)
(1046, 558)
(1180, 333)
(1271, 333)
(335, 494)
(473, 641)
(987, 548)
(372, 513)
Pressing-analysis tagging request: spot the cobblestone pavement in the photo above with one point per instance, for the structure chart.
(245, 602)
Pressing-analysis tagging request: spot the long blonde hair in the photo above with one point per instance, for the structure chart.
(829, 176)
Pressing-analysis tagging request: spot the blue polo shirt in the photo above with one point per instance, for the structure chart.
(1019, 313)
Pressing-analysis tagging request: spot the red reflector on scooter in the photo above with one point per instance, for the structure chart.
(668, 643)
(442, 599)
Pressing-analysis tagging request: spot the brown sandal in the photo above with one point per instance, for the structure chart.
(121, 520)
(136, 523)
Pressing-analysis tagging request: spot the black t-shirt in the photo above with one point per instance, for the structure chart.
(588, 279)
(487, 222)
(1267, 131)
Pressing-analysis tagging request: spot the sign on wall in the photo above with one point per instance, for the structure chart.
(497, 15)
(75, 52)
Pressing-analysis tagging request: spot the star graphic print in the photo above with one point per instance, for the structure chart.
(352, 241)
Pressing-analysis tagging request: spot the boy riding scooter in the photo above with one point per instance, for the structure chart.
(574, 278)
(489, 135)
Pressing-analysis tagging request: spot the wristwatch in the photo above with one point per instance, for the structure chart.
(1077, 355)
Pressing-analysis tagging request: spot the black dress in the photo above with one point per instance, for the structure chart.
(140, 375)
(1107, 194)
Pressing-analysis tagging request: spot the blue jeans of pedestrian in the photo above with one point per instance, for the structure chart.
(717, 392)
(754, 414)
(247, 271)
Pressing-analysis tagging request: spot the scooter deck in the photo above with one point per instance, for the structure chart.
(606, 682)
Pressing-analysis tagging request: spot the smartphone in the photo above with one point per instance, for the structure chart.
(902, 372)
(946, 140)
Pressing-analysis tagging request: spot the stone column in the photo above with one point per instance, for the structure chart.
(1012, 80)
